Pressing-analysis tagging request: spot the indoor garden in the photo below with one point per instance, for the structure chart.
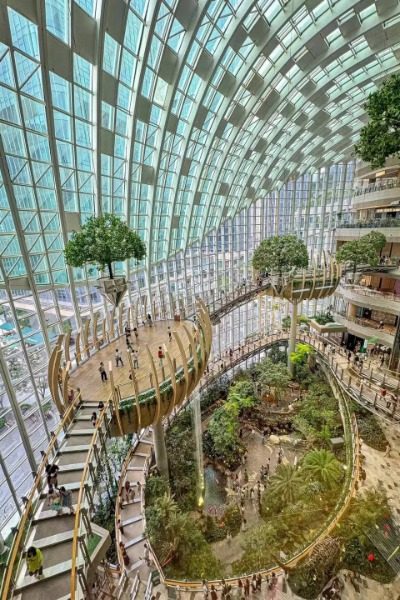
(278, 466)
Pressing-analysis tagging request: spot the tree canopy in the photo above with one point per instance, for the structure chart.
(380, 138)
(101, 241)
(280, 253)
(364, 251)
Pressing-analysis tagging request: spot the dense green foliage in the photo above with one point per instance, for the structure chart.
(369, 428)
(323, 318)
(364, 251)
(310, 577)
(215, 392)
(318, 418)
(301, 354)
(182, 463)
(380, 138)
(272, 378)
(107, 486)
(221, 440)
(280, 253)
(217, 529)
(178, 541)
(101, 241)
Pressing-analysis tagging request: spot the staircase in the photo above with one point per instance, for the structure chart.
(53, 534)
(131, 514)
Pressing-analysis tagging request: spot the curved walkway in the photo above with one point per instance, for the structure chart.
(364, 387)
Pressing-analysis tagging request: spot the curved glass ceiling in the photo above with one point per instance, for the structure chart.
(174, 114)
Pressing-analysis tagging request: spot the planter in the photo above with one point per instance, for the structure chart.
(113, 289)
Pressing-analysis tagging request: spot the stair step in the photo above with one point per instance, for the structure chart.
(71, 467)
(134, 469)
(25, 582)
(144, 441)
(52, 540)
(47, 514)
(135, 541)
(135, 566)
(141, 454)
(132, 520)
(72, 449)
(135, 501)
(76, 432)
(74, 487)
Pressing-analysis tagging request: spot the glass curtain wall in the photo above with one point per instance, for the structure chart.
(32, 317)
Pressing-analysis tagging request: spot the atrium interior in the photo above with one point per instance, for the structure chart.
(199, 299)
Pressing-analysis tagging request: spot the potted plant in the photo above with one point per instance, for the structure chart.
(100, 242)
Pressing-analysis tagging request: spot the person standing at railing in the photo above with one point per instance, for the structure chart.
(34, 562)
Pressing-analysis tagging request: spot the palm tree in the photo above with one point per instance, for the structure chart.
(286, 483)
(323, 466)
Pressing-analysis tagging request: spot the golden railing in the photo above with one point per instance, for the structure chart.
(33, 498)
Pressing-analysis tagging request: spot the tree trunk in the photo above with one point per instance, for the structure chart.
(110, 271)
(292, 337)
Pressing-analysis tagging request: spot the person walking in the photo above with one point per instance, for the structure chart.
(160, 355)
(102, 372)
(246, 587)
(124, 554)
(118, 358)
(93, 419)
(34, 562)
(246, 476)
(258, 582)
(254, 584)
(205, 590)
(239, 590)
(149, 320)
(127, 332)
(135, 359)
(214, 595)
(169, 334)
(52, 475)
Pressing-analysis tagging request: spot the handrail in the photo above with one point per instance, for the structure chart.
(365, 291)
(19, 540)
(81, 495)
(386, 184)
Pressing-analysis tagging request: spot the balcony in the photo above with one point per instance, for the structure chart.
(362, 296)
(381, 193)
(366, 328)
(358, 227)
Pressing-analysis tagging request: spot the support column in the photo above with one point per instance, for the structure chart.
(198, 436)
(292, 338)
(160, 448)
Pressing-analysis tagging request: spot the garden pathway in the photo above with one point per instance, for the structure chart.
(258, 455)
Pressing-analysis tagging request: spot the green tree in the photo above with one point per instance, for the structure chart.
(380, 138)
(364, 251)
(101, 241)
(301, 354)
(272, 377)
(286, 484)
(280, 253)
(323, 466)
